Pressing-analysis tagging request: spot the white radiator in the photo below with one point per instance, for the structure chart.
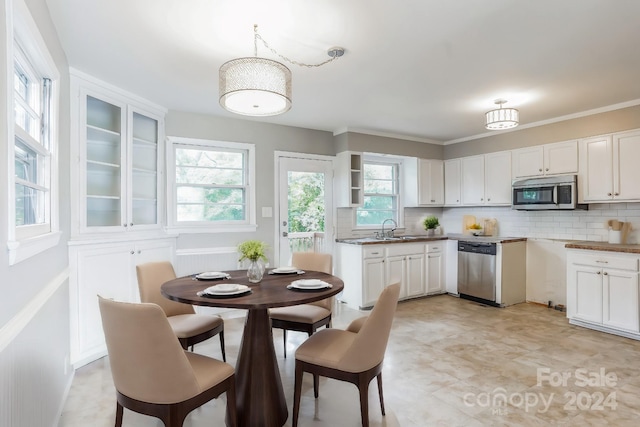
(192, 261)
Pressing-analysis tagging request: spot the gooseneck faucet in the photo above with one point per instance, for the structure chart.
(395, 225)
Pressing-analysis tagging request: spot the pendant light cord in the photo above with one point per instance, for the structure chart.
(334, 53)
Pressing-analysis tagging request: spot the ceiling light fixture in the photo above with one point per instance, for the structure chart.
(254, 86)
(502, 118)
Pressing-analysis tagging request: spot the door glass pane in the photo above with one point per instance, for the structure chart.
(306, 210)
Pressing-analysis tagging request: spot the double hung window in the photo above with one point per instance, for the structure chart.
(212, 184)
(381, 193)
(32, 152)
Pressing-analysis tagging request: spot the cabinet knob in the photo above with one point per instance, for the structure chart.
(132, 252)
(598, 272)
(481, 199)
(539, 170)
(547, 169)
(433, 201)
(616, 194)
(131, 224)
(489, 199)
(608, 194)
(125, 224)
(139, 251)
(605, 273)
(457, 201)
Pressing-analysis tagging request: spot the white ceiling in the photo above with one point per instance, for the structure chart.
(423, 69)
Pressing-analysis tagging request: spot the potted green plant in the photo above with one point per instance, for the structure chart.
(430, 224)
(255, 252)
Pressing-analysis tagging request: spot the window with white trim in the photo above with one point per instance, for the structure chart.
(381, 193)
(32, 155)
(212, 185)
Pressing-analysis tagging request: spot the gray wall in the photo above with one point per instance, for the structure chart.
(32, 366)
(267, 139)
(597, 124)
(352, 141)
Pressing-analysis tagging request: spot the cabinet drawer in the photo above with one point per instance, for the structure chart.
(435, 247)
(404, 249)
(607, 261)
(373, 251)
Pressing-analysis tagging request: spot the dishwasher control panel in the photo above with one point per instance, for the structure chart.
(477, 247)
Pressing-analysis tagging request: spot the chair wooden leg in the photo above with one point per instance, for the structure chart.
(119, 411)
(316, 385)
(363, 388)
(232, 414)
(224, 355)
(296, 394)
(380, 392)
(284, 335)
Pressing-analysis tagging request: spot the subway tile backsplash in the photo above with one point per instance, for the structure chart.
(561, 225)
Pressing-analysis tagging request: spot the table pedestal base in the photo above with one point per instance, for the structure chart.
(260, 396)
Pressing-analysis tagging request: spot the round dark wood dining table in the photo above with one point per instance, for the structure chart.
(259, 394)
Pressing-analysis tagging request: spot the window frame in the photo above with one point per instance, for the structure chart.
(247, 225)
(26, 46)
(382, 160)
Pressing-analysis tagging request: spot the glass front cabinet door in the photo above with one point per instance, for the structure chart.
(119, 157)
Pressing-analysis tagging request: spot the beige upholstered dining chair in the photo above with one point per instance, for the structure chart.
(354, 355)
(190, 327)
(305, 317)
(152, 373)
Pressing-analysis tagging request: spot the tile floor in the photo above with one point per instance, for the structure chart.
(449, 362)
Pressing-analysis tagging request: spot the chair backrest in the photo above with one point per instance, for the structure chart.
(151, 276)
(147, 361)
(315, 261)
(370, 344)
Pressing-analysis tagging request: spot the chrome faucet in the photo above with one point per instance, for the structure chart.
(395, 225)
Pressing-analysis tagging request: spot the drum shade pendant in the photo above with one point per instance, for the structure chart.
(254, 86)
(502, 118)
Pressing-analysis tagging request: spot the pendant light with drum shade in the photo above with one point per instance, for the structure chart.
(502, 118)
(254, 86)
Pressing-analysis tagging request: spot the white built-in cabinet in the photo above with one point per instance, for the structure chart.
(367, 269)
(108, 270)
(452, 184)
(609, 169)
(116, 150)
(349, 179)
(602, 291)
(486, 179)
(423, 182)
(548, 159)
(117, 203)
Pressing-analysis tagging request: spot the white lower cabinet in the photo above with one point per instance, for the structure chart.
(435, 268)
(108, 270)
(367, 269)
(602, 291)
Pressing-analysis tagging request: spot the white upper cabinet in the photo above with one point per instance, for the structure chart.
(497, 178)
(349, 179)
(473, 180)
(549, 159)
(486, 179)
(423, 182)
(452, 187)
(117, 156)
(609, 168)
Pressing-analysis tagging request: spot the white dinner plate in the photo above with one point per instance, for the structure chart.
(310, 284)
(285, 270)
(211, 275)
(226, 289)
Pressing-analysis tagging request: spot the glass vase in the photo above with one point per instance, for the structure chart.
(255, 271)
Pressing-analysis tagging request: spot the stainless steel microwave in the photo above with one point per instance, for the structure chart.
(547, 193)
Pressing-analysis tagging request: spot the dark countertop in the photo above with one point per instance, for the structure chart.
(424, 238)
(604, 246)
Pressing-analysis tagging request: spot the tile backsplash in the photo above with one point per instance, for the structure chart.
(561, 225)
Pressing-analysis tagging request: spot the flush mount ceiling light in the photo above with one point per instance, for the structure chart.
(502, 118)
(254, 86)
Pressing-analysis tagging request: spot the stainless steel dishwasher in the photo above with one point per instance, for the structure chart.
(477, 271)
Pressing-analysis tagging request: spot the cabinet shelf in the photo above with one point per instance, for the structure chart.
(96, 166)
(143, 171)
(97, 130)
(145, 143)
